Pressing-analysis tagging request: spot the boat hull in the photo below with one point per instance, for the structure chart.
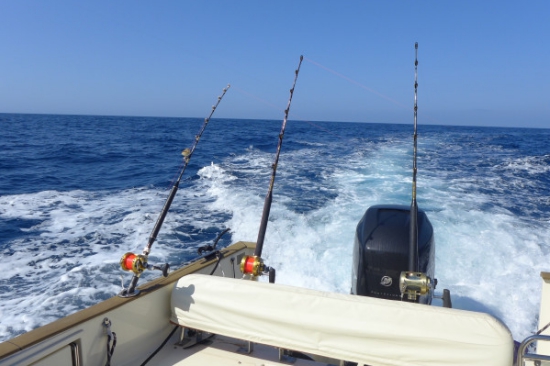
(141, 323)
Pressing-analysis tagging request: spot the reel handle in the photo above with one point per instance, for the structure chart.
(165, 268)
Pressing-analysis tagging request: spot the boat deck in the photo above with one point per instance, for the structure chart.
(220, 350)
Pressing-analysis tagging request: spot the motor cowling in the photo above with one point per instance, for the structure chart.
(381, 251)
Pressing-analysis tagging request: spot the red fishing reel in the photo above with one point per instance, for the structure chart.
(254, 266)
(136, 263)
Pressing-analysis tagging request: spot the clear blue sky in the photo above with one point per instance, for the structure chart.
(480, 62)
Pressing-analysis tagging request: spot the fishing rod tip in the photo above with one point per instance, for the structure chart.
(416, 45)
(301, 57)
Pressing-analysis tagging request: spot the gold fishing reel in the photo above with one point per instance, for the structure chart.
(414, 284)
(252, 265)
(136, 263)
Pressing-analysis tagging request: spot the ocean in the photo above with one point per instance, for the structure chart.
(77, 192)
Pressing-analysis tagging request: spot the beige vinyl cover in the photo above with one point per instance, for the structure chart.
(346, 327)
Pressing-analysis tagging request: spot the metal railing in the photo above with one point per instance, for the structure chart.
(522, 356)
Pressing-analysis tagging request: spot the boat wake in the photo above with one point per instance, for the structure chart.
(488, 203)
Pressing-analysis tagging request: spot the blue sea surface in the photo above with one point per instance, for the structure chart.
(76, 192)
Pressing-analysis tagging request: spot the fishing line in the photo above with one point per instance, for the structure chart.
(426, 117)
(255, 97)
(357, 83)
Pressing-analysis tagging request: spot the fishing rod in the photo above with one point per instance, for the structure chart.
(411, 282)
(413, 237)
(137, 263)
(254, 265)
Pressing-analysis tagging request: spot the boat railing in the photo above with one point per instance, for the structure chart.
(528, 356)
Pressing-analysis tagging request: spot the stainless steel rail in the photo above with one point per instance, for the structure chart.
(522, 356)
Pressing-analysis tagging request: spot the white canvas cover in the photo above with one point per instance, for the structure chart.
(366, 330)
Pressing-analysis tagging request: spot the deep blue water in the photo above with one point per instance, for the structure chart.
(76, 192)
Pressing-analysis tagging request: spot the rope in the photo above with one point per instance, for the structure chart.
(220, 257)
(160, 347)
(110, 336)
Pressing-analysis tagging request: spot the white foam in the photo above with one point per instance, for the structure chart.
(70, 257)
(529, 164)
(487, 256)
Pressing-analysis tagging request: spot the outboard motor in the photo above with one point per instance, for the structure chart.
(381, 251)
(394, 251)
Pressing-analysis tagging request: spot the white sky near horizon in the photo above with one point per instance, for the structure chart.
(480, 62)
